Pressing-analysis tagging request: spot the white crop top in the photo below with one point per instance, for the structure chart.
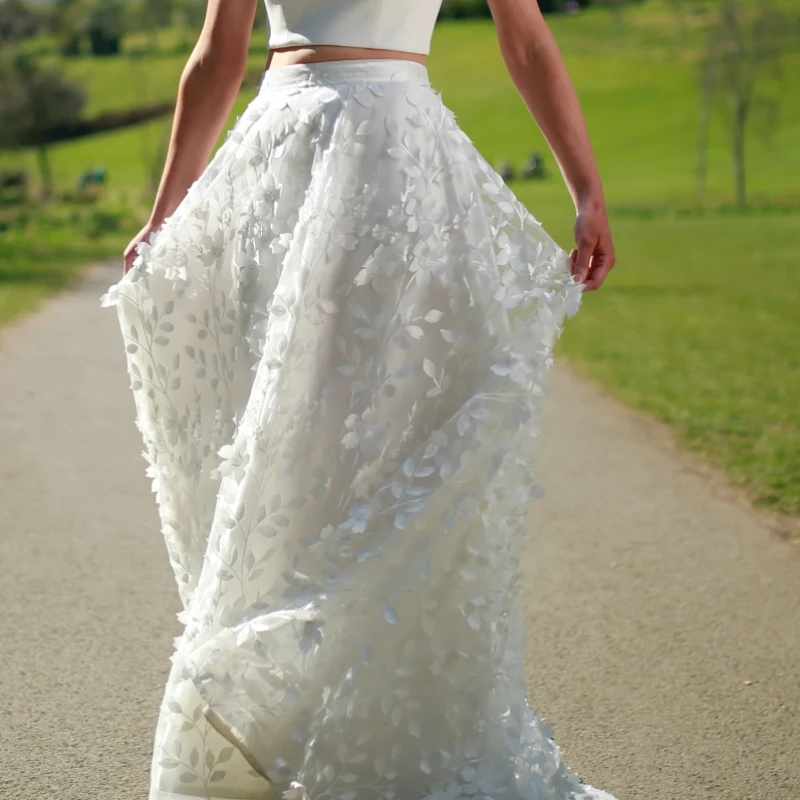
(382, 24)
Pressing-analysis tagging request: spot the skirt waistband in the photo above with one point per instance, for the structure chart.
(373, 70)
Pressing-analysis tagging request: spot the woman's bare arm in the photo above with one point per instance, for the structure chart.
(539, 73)
(206, 93)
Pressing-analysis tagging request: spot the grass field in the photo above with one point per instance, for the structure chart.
(699, 324)
(46, 254)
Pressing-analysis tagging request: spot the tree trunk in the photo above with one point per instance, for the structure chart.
(701, 164)
(616, 10)
(186, 41)
(680, 21)
(739, 175)
(45, 171)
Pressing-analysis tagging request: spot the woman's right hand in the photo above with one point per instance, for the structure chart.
(129, 255)
(593, 258)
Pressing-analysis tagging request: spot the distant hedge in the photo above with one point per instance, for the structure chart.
(463, 9)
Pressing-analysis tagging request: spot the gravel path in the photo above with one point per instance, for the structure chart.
(664, 620)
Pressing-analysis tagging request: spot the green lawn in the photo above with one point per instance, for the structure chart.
(697, 326)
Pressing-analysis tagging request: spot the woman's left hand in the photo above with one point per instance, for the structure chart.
(129, 256)
(594, 257)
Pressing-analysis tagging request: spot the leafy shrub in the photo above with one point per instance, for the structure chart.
(101, 222)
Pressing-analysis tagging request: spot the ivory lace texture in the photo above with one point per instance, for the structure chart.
(338, 347)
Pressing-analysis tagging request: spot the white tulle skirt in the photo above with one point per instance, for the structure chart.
(337, 347)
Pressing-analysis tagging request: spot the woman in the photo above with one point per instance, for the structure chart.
(339, 410)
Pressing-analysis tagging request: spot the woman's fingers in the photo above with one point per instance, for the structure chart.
(594, 255)
(596, 279)
(127, 258)
(129, 255)
(582, 259)
(602, 262)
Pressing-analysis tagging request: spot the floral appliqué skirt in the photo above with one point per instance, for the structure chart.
(337, 346)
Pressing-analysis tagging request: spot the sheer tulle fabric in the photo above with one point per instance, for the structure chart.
(338, 402)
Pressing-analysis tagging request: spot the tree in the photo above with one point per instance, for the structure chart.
(105, 27)
(154, 15)
(190, 15)
(17, 21)
(34, 104)
(101, 22)
(739, 71)
(72, 17)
